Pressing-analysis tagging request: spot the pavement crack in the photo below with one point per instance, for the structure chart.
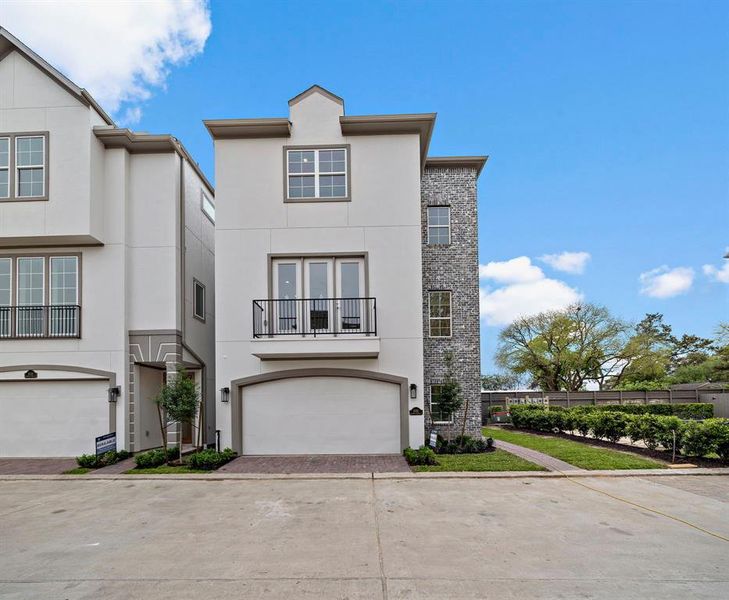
(380, 556)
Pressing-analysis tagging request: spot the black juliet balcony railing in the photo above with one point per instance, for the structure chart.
(34, 322)
(312, 317)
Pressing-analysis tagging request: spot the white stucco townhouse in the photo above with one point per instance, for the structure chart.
(346, 266)
(106, 269)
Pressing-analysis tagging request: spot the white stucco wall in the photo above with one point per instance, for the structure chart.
(382, 221)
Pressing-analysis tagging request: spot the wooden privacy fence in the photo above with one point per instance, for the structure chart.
(570, 399)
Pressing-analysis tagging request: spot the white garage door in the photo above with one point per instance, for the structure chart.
(321, 415)
(52, 418)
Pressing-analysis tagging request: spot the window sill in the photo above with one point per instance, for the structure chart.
(24, 199)
(310, 200)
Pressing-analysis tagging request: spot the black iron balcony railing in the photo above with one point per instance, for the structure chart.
(314, 317)
(30, 322)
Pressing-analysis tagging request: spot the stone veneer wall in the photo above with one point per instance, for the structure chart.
(455, 268)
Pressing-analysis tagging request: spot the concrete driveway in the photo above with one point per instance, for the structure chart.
(366, 538)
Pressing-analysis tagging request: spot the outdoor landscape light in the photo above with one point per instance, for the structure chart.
(224, 393)
(413, 391)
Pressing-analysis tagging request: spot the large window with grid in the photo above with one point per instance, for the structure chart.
(23, 166)
(439, 313)
(316, 173)
(437, 414)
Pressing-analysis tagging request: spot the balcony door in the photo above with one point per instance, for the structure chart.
(319, 293)
(286, 317)
(350, 293)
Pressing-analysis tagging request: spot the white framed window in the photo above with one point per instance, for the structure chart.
(439, 313)
(439, 225)
(316, 173)
(31, 294)
(437, 415)
(6, 295)
(207, 206)
(30, 166)
(64, 280)
(198, 300)
(4, 167)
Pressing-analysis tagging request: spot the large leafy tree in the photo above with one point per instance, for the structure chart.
(501, 381)
(563, 350)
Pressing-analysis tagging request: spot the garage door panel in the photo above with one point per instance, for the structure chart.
(321, 415)
(52, 418)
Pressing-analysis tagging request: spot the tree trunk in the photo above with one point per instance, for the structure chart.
(163, 430)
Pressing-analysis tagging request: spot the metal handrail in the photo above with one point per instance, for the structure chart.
(314, 317)
(40, 321)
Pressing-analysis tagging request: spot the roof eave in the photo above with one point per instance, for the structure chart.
(466, 162)
(248, 128)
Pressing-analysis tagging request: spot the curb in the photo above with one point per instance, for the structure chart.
(376, 476)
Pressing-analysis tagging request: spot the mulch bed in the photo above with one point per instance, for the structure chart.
(661, 455)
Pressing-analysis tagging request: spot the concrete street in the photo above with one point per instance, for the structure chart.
(520, 538)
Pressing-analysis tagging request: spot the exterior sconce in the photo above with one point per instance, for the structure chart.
(224, 394)
(114, 393)
(413, 391)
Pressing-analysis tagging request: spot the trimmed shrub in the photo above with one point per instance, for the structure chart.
(645, 428)
(210, 459)
(91, 461)
(608, 425)
(463, 445)
(697, 439)
(151, 459)
(720, 432)
(421, 456)
(694, 410)
(666, 429)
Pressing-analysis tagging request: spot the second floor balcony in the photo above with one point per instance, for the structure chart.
(40, 321)
(340, 327)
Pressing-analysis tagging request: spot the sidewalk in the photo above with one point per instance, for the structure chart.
(548, 462)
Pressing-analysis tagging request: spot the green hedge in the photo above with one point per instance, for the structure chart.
(156, 458)
(210, 459)
(693, 410)
(421, 456)
(693, 438)
(91, 461)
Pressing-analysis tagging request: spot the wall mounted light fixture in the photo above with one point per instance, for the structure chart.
(224, 394)
(413, 391)
(114, 393)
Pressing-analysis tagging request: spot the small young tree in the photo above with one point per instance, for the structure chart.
(178, 399)
(451, 396)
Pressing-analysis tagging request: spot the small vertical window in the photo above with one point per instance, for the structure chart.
(439, 312)
(198, 300)
(437, 414)
(208, 207)
(63, 314)
(4, 167)
(6, 295)
(439, 225)
(30, 159)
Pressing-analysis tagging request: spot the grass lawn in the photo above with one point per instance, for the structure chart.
(576, 453)
(498, 460)
(78, 471)
(164, 470)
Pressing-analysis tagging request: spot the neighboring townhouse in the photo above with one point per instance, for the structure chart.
(346, 265)
(106, 269)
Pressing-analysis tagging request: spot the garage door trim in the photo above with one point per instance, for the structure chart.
(109, 375)
(239, 384)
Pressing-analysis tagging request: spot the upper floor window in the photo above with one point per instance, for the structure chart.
(39, 296)
(198, 301)
(439, 225)
(316, 173)
(23, 166)
(208, 207)
(4, 167)
(439, 314)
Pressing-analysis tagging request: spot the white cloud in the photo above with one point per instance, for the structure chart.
(504, 305)
(120, 51)
(516, 270)
(666, 283)
(717, 274)
(569, 262)
(527, 291)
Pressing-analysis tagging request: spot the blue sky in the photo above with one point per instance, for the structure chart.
(607, 124)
